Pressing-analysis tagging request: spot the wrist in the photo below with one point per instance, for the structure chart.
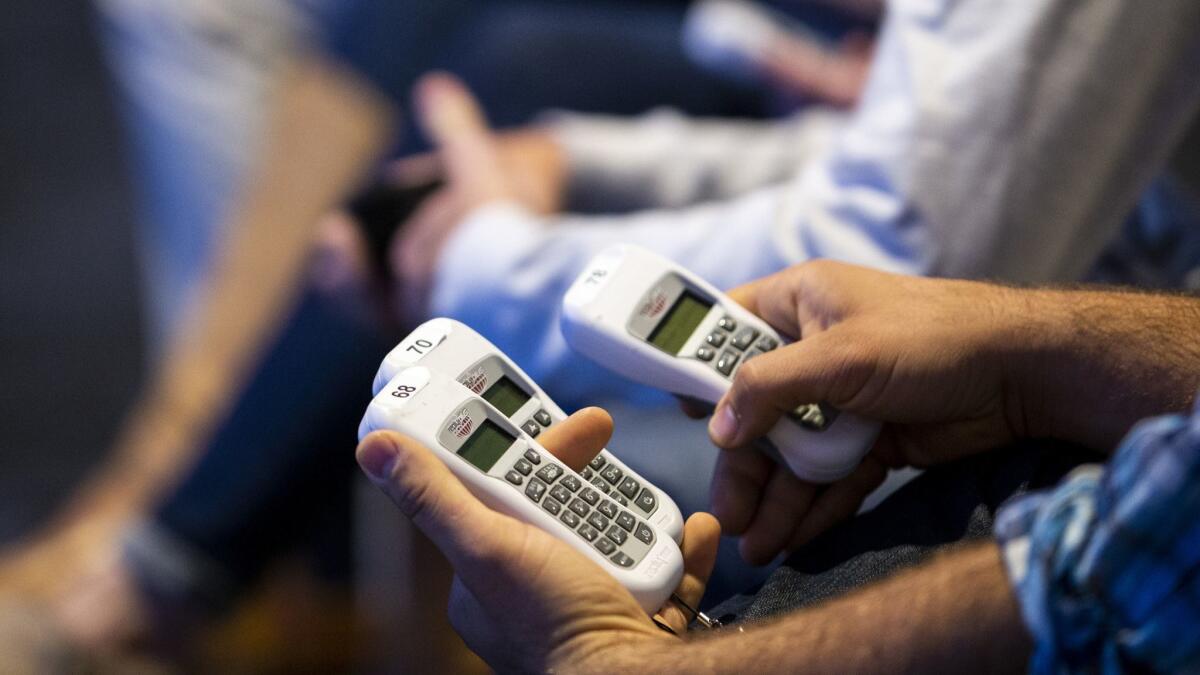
(650, 650)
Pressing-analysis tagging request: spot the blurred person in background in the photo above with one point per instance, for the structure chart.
(906, 184)
(197, 79)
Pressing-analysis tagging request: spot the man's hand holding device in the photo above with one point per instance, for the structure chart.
(532, 592)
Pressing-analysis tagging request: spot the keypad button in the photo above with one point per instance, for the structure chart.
(810, 416)
(728, 360)
(542, 417)
(616, 534)
(550, 472)
(535, 490)
(560, 493)
(598, 462)
(533, 456)
(727, 323)
(570, 519)
(523, 467)
(751, 354)
(626, 520)
(715, 339)
(705, 353)
(620, 499)
(605, 546)
(530, 427)
(514, 477)
(571, 483)
(600, 485)
(598, 521)
(644, 534)
(621, 559)
(590, 496)
(608, 508)
(629, 487)
(579, 507)
(552, 507)
(767, 343)
(646, 501)
(587, 473)
(744, 338)
(587, 532)
(612, 473)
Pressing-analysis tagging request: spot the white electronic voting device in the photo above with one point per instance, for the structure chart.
(652, 321)
(509, 471)
(460, 352)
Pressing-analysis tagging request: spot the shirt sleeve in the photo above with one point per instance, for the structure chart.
(1106, 567)
(664, 159)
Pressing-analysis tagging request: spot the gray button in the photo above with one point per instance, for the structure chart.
(560, 493)
(620, 499)
(535, 490)
(629, 487)
(578, 507)
(598, 462)
(523, 467)
(644, 534)
(767, 343)
(590, 496)
(542, 417)
(570, 519)
(550, 472)
(600, 484)
(530, 427)
(598, 521)
(616, 534)
(622, 559)
(646, 501)
(811, 416)
(605, 546)
(715, 339)
(608, 509)
(626, 520)
(587, 473)
(514, 478)
(727, 323)
(745, 338)
(705, 353)
(728, 360)
(570, 482)
(533, 456)
(552, 507)
(612, 473)
(588, 532)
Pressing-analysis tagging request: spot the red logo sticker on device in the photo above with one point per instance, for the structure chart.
(654, 305)
(462, 424)
(476, 380)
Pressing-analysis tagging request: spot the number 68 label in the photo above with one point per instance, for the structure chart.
(406, 385)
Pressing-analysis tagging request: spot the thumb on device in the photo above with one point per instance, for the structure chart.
(774, 384)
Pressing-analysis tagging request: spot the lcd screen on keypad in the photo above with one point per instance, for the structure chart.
(486, 445)
(679, 323)
(506, 396)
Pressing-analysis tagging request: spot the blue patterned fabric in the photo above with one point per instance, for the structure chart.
(1106, 567)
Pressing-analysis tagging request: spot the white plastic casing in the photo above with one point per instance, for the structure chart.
(457, 350)
(616, 290)
(438, 411)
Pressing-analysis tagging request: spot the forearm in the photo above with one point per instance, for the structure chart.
(954, 614)
(1087, 365)
(325, 134)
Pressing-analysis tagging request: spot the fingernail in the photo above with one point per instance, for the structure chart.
(378, 458)
(724, 425)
